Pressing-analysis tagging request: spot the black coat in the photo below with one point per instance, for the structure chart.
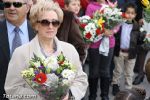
(5, 53)
(135, 40)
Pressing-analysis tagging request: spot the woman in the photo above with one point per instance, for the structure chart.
(46, 17)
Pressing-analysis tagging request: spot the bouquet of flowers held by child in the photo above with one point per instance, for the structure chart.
(111, 15)
(50, 77)
(146, 10)
(90, 28)
(112, 18)
(108, 17)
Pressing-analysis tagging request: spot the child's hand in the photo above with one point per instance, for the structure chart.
(147, 35)
(108, 32)
(141, 21)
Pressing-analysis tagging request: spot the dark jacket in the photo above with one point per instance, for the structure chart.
(69, 32)
(5, 53)
(136, 38)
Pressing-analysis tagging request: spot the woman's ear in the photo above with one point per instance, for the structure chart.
(36, 28)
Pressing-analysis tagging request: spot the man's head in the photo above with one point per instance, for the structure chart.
(15, 11)
(130, 11)
(72, 5)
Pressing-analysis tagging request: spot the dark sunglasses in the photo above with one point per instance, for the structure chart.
(46, 22)
(15, 4)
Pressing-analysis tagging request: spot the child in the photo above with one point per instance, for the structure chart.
(73, 6)
(125, 52)
(99, 65)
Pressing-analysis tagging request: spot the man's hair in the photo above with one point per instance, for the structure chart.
(130, 5)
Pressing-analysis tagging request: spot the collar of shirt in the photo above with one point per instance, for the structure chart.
(22, 27)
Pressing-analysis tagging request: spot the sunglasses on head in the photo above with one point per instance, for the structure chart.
(46, 22)
(15, 4)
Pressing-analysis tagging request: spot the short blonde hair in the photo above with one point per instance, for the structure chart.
(41, 6)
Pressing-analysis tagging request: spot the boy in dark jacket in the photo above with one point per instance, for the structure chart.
(125, 52)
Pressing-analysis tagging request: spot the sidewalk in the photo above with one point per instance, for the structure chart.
(144, 85)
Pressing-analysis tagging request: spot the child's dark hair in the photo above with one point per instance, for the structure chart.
(132, 94)
(130, 5)
(66, 2)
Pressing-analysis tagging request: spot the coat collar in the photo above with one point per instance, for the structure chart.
(36, 49)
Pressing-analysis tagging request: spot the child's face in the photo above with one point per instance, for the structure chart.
(130, 14)
(74, 6)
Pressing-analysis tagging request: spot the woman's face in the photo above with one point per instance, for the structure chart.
(47, 24)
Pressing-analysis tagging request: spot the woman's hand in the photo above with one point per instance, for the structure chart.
(108, 32)
(141, 22)
(66, 97)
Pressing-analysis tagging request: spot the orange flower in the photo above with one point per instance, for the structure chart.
(41, 78)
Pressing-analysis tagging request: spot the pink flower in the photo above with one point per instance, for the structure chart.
(111, 4)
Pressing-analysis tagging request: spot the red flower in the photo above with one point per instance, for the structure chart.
(82, 25)
(124, 15)
(41, 78)
(60, 2)
(91, 16)
(84, 4)
(103, 28)
(98, 32)
(88, 35)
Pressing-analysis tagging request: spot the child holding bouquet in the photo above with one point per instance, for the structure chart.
(125, 52)
(99, 64)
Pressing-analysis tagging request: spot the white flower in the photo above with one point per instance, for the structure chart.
(65, 82)
(68, 74)
(141, 29)
(28, 73)
(90, 27)
(84, 19)
(108, 11)
(51, 62)
(52, 80)
(36, 64)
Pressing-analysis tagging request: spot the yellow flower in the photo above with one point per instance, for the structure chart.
(145, 3)
(100, 22)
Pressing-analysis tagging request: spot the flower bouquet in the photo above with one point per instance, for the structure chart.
(146, 10)
(146, 44)
(50, 77)
(90, 28)
(111, 15)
